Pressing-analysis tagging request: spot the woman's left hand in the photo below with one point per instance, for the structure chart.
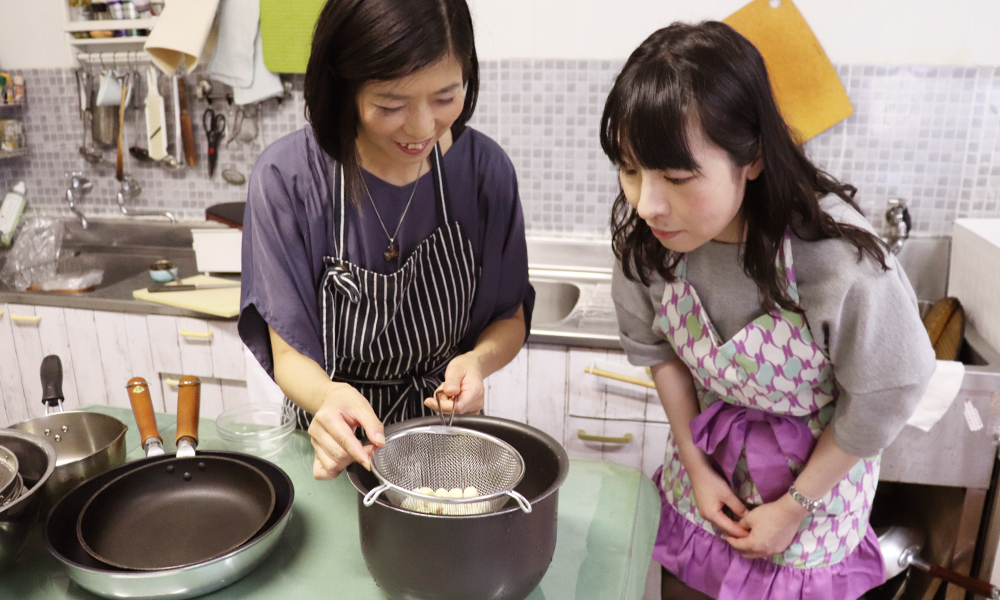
(772, 528)
(463, 385)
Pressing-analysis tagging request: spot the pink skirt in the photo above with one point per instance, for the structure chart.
(707, 563)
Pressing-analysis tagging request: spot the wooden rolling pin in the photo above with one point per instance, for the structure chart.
(187, 134)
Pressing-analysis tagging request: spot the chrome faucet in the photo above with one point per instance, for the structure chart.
(897, 219)
(79, 186)
(131, 189)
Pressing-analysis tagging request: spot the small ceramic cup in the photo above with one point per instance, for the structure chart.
(163, 271)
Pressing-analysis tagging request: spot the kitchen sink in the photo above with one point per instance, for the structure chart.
(554, 300)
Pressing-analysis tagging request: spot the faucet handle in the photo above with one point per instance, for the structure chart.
(79, 183)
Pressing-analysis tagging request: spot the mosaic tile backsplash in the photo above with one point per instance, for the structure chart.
(930, 135)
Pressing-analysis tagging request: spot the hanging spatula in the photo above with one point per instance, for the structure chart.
(156, 118)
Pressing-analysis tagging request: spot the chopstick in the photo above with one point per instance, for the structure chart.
(619, 377)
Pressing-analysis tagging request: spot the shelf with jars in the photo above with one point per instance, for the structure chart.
(115, 25)
(12, 131)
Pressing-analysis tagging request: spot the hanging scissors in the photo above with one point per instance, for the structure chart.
(215, 127)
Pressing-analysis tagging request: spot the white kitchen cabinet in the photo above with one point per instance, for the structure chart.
(216, 394)
(11, 389)
(81, 332)
(125, 353)
(101, 351)
(28, 346)
(654, 443)
(195, 342)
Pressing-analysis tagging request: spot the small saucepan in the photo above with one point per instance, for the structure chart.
(86, 443)
(901, 548)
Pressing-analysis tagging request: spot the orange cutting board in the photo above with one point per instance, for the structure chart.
(805, 82)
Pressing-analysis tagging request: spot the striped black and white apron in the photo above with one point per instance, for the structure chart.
(392, 336)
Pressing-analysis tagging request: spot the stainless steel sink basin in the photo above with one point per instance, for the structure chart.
(554, 301)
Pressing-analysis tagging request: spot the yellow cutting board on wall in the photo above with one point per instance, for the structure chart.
(805, 82)
(286, 31)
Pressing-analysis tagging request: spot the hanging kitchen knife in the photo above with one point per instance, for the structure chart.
(156, 118)
(188, 287)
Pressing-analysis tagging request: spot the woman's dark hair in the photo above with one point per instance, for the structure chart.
(362, 40)
(711, 75)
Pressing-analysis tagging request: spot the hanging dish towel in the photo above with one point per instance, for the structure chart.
(287, 28)
(941, 392)
(233, 61)
(182, 35)
(806, 86)
(265, 83)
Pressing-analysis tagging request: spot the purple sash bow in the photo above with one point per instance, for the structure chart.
(723, 430)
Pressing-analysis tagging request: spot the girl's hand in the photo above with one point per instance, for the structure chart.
(463, 384)
(332, 432)
(712, 493)
(772, 527)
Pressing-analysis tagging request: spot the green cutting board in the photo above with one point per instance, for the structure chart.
(286, 30)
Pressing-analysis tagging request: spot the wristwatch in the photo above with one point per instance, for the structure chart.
(810, 505)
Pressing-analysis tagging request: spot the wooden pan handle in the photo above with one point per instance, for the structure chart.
(976, 586)
(142, 408)
(188, 408)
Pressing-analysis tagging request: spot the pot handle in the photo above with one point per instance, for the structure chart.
(52, 379)
(373, 495)
(521, 501)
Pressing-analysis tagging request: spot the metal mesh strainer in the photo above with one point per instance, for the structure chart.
(448, 457)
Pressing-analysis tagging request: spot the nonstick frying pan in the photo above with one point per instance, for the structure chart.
(177, 512)
(185, 582)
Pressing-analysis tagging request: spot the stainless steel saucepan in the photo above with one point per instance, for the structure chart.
(86, 443)
(901, 548)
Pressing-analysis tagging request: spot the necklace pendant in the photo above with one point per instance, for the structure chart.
(391, 253)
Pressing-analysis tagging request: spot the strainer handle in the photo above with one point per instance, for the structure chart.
(521, 501)
(454, 406)
(373, 495)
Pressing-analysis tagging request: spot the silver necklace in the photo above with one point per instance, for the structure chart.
(392, 252)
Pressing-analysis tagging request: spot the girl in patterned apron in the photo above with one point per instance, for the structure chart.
(384, 256)
(784, 341)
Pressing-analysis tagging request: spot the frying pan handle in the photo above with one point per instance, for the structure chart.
(374, 493)
(142, 409)
(521, 501)
(188, 409)
(52, 378)
(975, 586)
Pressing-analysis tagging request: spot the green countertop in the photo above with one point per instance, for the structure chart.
(607, 523)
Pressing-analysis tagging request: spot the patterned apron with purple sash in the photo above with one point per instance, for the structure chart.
(765, 396)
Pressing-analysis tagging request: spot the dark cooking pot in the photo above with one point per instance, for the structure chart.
(496, 556)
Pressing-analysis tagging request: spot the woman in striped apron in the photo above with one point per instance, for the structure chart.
(383, 244)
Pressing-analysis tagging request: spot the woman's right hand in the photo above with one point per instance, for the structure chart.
(712, 493)
(332, 431)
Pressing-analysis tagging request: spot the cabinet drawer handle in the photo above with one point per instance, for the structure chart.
(172, 382)
(25, 318)
(619, 377)
(202, 335)
(583, 435)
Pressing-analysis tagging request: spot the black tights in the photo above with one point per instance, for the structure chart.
(672, 588)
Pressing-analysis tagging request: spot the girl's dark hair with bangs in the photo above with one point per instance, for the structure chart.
(711, 75)
(362, 40)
